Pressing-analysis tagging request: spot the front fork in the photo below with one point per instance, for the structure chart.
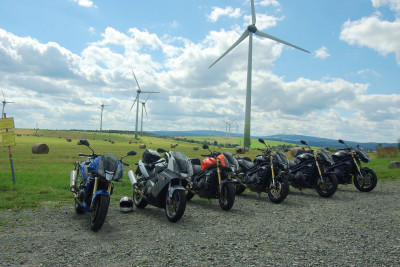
(272, 171)
(319, 169)
(358, 166)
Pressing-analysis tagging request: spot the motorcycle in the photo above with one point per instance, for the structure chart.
(348, 166)
(213, 178)
(91, 182)
(310, 170)
(267, 173)
(155, 184)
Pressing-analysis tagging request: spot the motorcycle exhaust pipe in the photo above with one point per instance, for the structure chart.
(132, 177)
(72, 179)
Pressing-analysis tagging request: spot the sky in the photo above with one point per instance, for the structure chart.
(61, 59)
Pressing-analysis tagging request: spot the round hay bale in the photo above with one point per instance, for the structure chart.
(394, 164)
(195, 148)
(142, 146)
(130, 141)
(40, 148)
(173, 145)
(69, 140)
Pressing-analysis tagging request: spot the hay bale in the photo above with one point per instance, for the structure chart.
(195, 148)
(142, 146)
(173, 145)
(40, 148)
(68, 139)
(394, 164)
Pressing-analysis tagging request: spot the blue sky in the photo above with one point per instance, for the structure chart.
(59, 59)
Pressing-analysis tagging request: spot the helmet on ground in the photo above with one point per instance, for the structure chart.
(126, 204)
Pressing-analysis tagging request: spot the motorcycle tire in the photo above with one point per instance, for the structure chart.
(189, 195)
(239, 189)
(280, 192)
(227, 196)
(175, 208)
(139, 201)
(367, 182)
(78, 208)
(99, 213)
(329, 187)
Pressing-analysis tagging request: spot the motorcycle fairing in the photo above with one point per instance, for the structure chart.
(163, 180)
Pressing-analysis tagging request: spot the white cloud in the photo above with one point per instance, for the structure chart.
(84, 3)
(380, 35)
(217, 12)
(368, 71)
(269, 3)
(58, 89)
(393, 4)
(322, 53)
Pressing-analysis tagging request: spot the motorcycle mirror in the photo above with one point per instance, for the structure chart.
(341, 141)
(205, 146)
(303, 142)
(261, 141)
(160, 150)
(131, 153)
(83, 142)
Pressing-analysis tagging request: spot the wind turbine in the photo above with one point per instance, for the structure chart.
(4, 104)
(101, 116)
(143, 106)
(249, 32)
(138, 92)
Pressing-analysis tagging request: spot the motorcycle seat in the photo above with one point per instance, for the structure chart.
(246, 161)
(292, 164)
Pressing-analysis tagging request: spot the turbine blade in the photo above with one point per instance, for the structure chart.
(149, 92)
(136, 80)
(263, 34)
(146, 99)
(253, 13)
(145, 109)
(133, 103)
(241, 38)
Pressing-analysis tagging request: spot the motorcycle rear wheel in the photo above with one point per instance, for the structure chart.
(278, 193)
(227, 196)
(175, 206)
(138, 200)
(78, 208)
(328, 187)
(99, 213)
(367, 182)
(239, 189)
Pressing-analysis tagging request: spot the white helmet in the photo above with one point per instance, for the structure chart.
(126, 204)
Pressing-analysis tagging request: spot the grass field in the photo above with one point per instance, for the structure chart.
(43, 178)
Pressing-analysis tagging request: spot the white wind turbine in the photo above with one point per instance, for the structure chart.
(101, 116)
(138, 92)
(4, 104)
(249, 32)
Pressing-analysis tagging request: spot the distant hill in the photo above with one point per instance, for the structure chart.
(292, 139)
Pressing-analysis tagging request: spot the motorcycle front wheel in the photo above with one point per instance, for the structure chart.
(367, 182)
(99, 213)
(227, 196)
(328, 187)
(279, 192)
(175, 206)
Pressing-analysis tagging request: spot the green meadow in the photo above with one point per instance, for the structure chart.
(44, 178)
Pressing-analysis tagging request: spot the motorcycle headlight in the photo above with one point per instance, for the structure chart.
(109, 175)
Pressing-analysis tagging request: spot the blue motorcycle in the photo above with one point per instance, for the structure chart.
(91, 182)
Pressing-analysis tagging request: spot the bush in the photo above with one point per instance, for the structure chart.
(387, 152)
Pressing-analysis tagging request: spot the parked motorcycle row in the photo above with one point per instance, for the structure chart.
(169, 181)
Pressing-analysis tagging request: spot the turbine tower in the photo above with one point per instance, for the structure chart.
(251, 29)
(101, 116)
(138, 92)
(143, 107)
(4, 104)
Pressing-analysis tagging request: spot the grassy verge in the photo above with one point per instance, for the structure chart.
(45, 178)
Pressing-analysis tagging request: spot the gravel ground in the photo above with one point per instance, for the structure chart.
(349, 229)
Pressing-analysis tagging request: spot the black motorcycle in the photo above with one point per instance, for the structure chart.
(348, 166)
(310, 170)
(267, 173)
(213, 178)
(155, 184)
